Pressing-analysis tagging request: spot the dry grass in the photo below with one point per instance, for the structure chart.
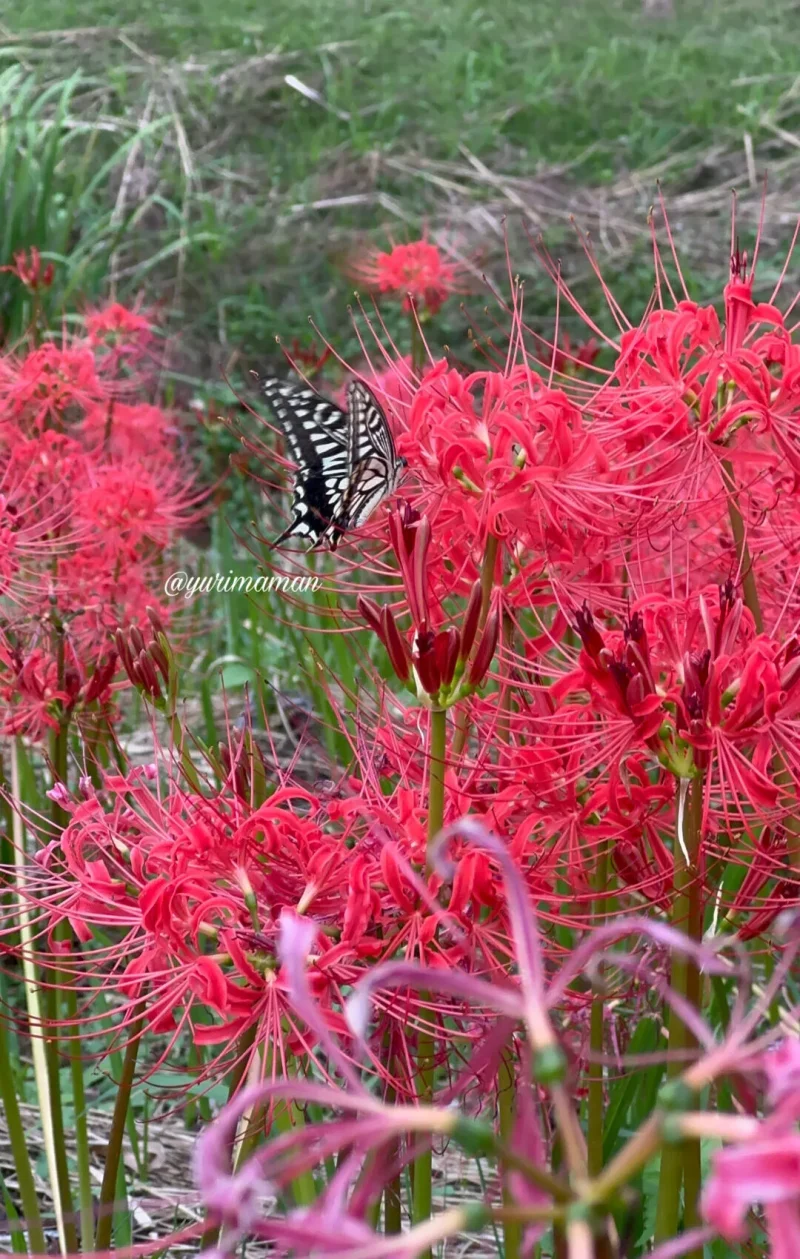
(163, 1198)
(276, 156)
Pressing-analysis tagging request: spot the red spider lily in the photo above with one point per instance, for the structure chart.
(35, 529)
(126, 431)
(195, 889)
(28, 269)
(120, 334)
(49, 384)
(42, 693)
(127, 504)
(91, 496)
(418, 272)
(519, 464)
(361, 1127)
(679, 677)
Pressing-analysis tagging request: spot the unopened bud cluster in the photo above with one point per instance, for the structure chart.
(441, 662)
(150, 666)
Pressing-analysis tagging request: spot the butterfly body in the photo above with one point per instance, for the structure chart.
(346, 460)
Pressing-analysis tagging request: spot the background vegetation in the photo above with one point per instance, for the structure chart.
(240, 196)
(225, 160)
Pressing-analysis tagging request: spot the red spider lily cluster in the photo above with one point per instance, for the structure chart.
(637, 534)
(759, 1167)
(577, 627)
(91, 492)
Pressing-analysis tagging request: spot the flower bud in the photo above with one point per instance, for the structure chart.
(447, 645)
(137, 641)
(160, 660)
(486, 649)
(100, 678)
(371, 613)
(395, 645)
(403, 532)
(425, 662)
(155, 620)
(149, 678)
(410, 520)
(589, 635)
(472, 616)
(420, 571)
(124, 652)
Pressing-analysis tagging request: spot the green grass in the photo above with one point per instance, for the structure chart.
(524, 86)
(546, 79)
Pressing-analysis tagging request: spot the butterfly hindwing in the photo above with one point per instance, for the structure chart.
(346, 460)
(316, 433)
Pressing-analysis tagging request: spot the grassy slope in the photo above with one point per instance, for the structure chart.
(551, 78)
(523, 84)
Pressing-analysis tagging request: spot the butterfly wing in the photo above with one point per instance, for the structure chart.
(369, 431)
(317, 435)
(368, 486)
(374, 465)
(346, 460)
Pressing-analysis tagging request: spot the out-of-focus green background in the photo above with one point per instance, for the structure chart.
(224, 156)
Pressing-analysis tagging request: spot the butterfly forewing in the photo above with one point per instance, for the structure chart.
(369, 431)
(305, 416)
(346, 460)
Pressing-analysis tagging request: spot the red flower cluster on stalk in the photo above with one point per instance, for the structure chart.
(587, 617)
(648, 659)
(91, 493)
(28, 269)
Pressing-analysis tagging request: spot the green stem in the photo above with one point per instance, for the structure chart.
(680, 1163)
(507, 1104)
(749, 588)
(437, 757)
(19, 1150)
(393, 1191)
(596, 1037)
(422, 1168)
(108, 1188)
(285, 1117)
(487, 576)
(393, 1200)
(71, 1035)
(417, 344)
(53, 996)
(244, 1044)
(34, 996)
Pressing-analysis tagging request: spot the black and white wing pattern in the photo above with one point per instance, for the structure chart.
(316, 433)
(374, 466)
(346, 460)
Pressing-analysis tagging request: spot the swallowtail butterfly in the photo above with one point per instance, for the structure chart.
(346, 460)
